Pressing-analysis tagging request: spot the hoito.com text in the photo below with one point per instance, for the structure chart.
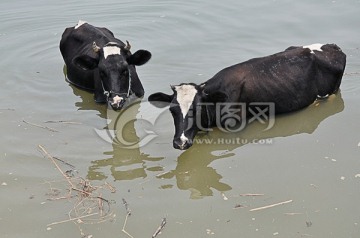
(233, 141)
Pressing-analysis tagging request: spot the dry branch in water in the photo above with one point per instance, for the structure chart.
(351, 73)
(89, 205)
(64, 122)
(160, 228)
(128, 213)
(43, 127)
(251, 194)
(269, 206)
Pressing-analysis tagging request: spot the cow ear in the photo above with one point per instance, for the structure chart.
(140, 57)
(160, 100)
(86, 62)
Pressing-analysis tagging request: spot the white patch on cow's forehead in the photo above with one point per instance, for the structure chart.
(313, 47)
(80, 23)
(111, 50)
(185, 96)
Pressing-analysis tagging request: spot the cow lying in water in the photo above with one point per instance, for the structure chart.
(99, 62)
(290, 80)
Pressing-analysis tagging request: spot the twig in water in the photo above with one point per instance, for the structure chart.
(251, 194)
(43, 127)
(239, 206)
(352, 73)
(111, 188)
(58, 198)
(64, 122)
(101, 206)
(72, 219)
(160, 228)
(56, 165)
(68, 179)
(128, 213)
(88, 197)
(123, 229)
(269, 206)
(64, 162)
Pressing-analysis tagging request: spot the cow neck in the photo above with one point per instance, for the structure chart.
(208, 118)
(208, 115)
(107, 93)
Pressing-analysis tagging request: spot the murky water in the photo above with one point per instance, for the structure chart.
(309, 159)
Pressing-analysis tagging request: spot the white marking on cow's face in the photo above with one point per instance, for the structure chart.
(80, 23)
(313, 47)
(185, 97)
(183, 138)
(111, 50)
(117, 100)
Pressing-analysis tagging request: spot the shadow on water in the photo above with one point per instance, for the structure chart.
(125, 160)
(87, 98)
(193, 170)
(87, 102)
(124, 163)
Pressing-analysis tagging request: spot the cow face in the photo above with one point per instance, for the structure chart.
(187, 106)
(111, 66)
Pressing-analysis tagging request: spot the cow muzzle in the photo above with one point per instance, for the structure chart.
(182, 144)
(117, 102)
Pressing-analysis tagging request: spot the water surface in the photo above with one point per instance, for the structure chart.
(310, 157)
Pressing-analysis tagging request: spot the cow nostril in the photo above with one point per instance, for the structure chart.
(177, 144)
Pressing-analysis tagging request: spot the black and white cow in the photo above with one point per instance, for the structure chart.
(99, 62)
(290, 80)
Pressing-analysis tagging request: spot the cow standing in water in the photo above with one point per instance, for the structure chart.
(290, 80)
(99, 62)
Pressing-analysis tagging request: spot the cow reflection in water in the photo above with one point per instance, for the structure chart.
(191, 174)
(124, 164)
(194, 173)
(193, 170)
(126, 161)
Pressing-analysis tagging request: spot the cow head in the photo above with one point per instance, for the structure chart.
(191, 108)
(112, 62)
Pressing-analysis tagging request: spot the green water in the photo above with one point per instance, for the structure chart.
(310, 157)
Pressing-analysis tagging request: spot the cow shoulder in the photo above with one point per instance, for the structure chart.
(332, 58)
(86, 61)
